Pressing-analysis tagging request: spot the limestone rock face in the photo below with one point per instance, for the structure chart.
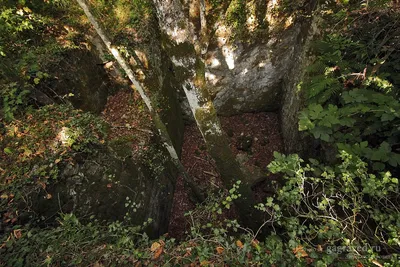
(245, 72)
(250, 80)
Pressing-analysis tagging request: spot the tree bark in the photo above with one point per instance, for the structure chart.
(162, 129)
(185, 48)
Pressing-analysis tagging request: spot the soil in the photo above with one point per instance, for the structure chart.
(128, 118)
(253, 139)
(261, 134)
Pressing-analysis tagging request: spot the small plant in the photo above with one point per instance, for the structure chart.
(13, 100)
(321, 207)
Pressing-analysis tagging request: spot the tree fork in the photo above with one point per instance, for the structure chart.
(162, 129)
(185, 51)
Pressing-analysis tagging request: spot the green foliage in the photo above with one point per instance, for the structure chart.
(73, 243)
(215, 240)
(35, 149)
(351, 88)
(323, 207)
(48, 134)
(128, 21)
(366, 124)
(236, 14)
(13, 98)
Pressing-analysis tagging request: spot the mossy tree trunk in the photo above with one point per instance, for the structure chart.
(185, 45)
(162, 129)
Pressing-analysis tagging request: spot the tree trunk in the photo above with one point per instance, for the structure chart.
(162, 129)
(185, 49)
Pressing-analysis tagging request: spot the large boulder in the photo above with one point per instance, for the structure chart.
(108, 187)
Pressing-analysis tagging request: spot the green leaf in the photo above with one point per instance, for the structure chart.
(394, 159)
(378, 166)
(7, 150)
(325, 137)
(315, 110)
(387, 117)
(36, 80)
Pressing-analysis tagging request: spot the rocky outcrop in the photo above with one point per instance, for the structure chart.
(110, 188)
(247, 69)
(79, 77)
(251, 79)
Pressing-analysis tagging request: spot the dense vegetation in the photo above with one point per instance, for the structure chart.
(338, 207)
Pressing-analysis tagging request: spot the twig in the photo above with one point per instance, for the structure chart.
(210, 173)
(200, 159)
(130, 127)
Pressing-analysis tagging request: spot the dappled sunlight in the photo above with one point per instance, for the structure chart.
(222, 34)
(229, 55)
(289, 22)
(211, 78)
(177, 34)
(213, 62)
(251, 21)
(64, 137)
(143, 58)
(122, 12)
(270, 16)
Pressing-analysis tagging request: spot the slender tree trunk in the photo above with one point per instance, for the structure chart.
(162, 129)
(185, 49)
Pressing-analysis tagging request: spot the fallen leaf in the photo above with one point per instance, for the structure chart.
(249, 256)
(359, 264)
(220, 250)
(158, 253)
(300, 252)
(49, 196)
(188, 252)
(239, 244)
(155, 246)
(309, 261)
(17, 233)
(42, 184)
(204, 263)
(57, 161)
(255, 243)
(319, 248)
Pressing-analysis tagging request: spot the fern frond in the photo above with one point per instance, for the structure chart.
(331, 91)
(319, 84)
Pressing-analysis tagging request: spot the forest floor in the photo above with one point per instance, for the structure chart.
(135, 121)
(253, 139)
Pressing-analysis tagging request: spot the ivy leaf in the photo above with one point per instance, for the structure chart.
(394, 159)
(325, 137)
(36, 80)
(387, 117)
